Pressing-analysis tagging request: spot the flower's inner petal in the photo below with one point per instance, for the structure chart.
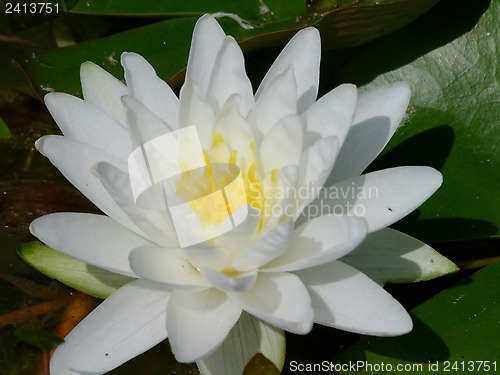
(103, 90)
(195, 111)
(316, 162)
(198, 322)
(282, 145)
(279, 299)
(129, 322)
(165, 266)
(331, 115)
(303, 52)
(277, 101)
(344, 298)
(320, 240)
(230, 280)
(229, 78)
(234, 129)
(84, 122)
(145, 86)
(268, 247)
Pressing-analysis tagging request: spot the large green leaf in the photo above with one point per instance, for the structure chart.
(166, 44)
(458, 327)
(452, 121)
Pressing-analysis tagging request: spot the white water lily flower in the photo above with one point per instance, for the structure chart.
(279, 267)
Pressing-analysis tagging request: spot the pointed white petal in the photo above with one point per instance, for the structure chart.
(279, 299)
(75, 160)
(198, 322)
(389, 256)
(331, 115)
(316, 162)
(103, 90)
(208, 38)
(153, 92)
(320, 240)
(303, 52)
(229, 78)
(163, 265)
(143, 125)
(378, 113)
(282, 145)
(94, 239)
(195, 111)
(237, 282)
(233, 127)
(266, 248)
(125, 325)
(344, 298)
(384, 197)
(248, 337)
(83, 122)
(156, 224)
(277, 101)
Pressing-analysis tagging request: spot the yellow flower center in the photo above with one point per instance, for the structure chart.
(220, 189)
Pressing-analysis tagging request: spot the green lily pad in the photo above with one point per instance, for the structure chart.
(452, 122)
(72, 272)
(454, 332)
(168, 42)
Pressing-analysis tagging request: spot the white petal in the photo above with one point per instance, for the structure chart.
(237, 282)
(277, 101)
(248, 337)
(384, 197)
(83, 122)
(156, 224)
(103, 90)
(229, 78)
(198, 322)
(75, 160)
(153, 92)
(279, 299)
(234, 128)
(320, 240)
(282, 145)
(344, 298)
(163, 265)
(266, 248)
(195, 111)
(208, 38)
(378, 114)
(331, 115)
(316, 162)
(303, 52)
(94, 239)
(128, 323)
(143, 125)
(389, 256)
